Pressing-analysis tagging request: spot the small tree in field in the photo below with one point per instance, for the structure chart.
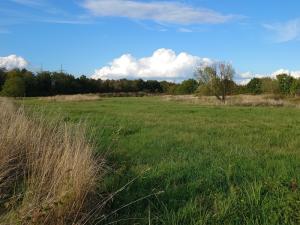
(218, 79)
(14, 87)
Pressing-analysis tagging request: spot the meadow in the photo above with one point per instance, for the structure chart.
(177, 162)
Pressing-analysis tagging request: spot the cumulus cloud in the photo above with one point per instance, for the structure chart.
(244, 78)
(164, 64)
(13, 62)
(159, 11)
(286, 31)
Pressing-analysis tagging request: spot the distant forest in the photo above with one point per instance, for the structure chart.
(20, 83)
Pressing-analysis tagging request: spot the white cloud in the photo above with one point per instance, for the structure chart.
(164, 64)
(13, 62)
(285, 32)
(42, 11)
(159, 11)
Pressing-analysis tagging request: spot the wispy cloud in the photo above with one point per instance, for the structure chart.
(43, 11)
(284, 32)
(158, 11)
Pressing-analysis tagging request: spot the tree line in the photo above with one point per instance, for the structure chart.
(216, 80)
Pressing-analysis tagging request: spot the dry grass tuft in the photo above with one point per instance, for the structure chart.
(46, 169)
(77, 97)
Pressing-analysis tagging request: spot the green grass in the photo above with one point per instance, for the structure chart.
(213, 165)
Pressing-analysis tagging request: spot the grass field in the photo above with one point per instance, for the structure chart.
(193, 164)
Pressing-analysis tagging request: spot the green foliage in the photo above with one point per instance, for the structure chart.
(295, 87)
(14, 86)
(187, 87)
(269, 85)
(285, 83)
(255, 86)
(210, 165)
(204, 90)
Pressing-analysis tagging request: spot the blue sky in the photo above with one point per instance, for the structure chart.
(136, 38)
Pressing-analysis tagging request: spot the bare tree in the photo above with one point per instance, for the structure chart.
(217, 78)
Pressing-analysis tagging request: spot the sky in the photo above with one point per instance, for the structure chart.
(164, 40)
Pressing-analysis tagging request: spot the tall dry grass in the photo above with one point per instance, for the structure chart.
(47, 169)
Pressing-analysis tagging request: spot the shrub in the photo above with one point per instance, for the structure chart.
(46, 169)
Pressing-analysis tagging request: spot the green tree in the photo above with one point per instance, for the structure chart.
(217, 79)
(14, 87)
(285, 82)
(44, 83)
(269, 85)
(255, 86)
(295, 87)
(187, 87)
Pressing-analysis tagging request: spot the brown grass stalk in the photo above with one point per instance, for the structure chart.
(47, 169)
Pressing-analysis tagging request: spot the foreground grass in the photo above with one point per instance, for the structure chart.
(200, 165)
